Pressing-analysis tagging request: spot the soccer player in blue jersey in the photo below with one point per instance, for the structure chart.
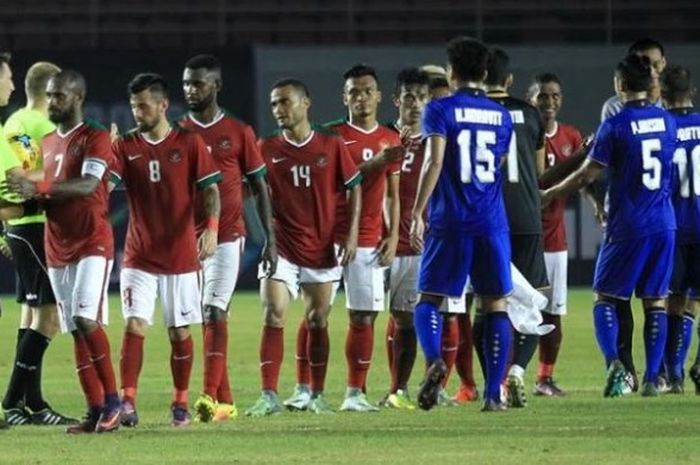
(636, 147)
(677, 94)
(467, 135)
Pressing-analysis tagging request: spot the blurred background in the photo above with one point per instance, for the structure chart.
(260, 41)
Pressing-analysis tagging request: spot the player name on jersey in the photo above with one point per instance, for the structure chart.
(647, 126)
(686, 134)
(472, 115)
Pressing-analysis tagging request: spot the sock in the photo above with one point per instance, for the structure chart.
(130, 363)
(404, 352)
(318, 348)
(20, 335)
(524, 347)
(224, 395)
(450, 344)
(359, 343)
(37, 344)
(100, 356)
(688, 322)
(674, 341)
(655, 332)
(549, 347)
(625, 323)
(465, 353)
(301, 356)
(606, 330)
(271, 355)
(181, 359)
(498, 333)
(478, 339)
(21, 372)
(428, 323)
(89, 381)
(215, 348)
(389, 342)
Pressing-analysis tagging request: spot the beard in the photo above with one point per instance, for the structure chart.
(200, 106)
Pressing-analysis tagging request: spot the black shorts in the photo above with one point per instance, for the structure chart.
(527, 254)
(685, 279)
(27, 244)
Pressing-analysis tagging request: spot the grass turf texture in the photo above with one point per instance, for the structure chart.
(581, 427)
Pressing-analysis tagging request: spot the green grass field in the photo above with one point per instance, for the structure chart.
(580, 428)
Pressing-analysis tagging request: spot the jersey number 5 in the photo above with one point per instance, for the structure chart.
(651, 178)
(485, 159)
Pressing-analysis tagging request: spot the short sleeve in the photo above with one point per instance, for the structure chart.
(576, 138)
(506, 140)
(251, 160)
(540, 131)
(206, 172)
(602, 149)
(98, 153)
(395, 167)
(434, 120)
(347, 170)
(116, 168)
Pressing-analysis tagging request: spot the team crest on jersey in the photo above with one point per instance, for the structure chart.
(224, 143)
(321, 161)
(566, 149)
(76, 149)
(174, 156)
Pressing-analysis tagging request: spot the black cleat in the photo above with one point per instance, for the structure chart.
(429, 389)
(694, 374)
(49, 417)
(17, 416)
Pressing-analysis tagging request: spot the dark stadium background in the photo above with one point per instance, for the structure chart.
(260, 41)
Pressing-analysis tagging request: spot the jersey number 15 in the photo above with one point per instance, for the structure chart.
(484, 157)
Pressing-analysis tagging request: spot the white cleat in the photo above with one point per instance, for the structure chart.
(300, 399)
(356, 401)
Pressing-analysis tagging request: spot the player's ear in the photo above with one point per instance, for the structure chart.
(397, 102)
(618, 85)
(379, 96)
(509, 80)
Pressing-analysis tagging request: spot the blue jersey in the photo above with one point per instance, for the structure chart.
(468, 195)
(686, 195)
(637, 146)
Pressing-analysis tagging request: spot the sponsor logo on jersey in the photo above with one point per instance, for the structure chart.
(134, 157)
(276, 160)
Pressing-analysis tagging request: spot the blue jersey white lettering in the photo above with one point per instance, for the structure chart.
(686, 159)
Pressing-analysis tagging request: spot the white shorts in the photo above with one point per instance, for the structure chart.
(80, 289)
(364, 281)
(221, 273)
(557, 265)
(179, 294)
(294, 275)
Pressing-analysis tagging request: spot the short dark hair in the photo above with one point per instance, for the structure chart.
(546, 78)
(468, 58)
(360, 70)
(409, 77)
(208, 62)
(498, 67)
(644, 45)
(148, 81)
(298, 85)
(676, 83)
(635, 72)
(438, 82)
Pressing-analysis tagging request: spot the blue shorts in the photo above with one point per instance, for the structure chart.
(685, 279)
(449, 258)
(642, 265)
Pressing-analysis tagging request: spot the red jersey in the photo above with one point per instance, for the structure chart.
(161, 180)
(408, 189)
(305, 180)
(363, 146)
(559, 145)
(78, 227)
(233, 145)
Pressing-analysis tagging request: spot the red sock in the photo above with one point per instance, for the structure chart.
(101, 358)
(224, 394)
(130, 363)
(359, 343)
(404, 357)
(181, 358)
(450, 344)
(271, 355)
(301, 356)
(318, 348)
(389, 341)
(89, 381)
(465, 353)
(215, 344)
(549, 347)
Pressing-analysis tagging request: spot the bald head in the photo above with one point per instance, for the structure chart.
(66, 95)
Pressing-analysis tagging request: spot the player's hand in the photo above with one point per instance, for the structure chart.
(19, 185)
(269, 258)
(387, 250)
(601, 215)
(417, 232)
(546, 197)
(206, 244)
(347, 251)
(406, 133)
(113, 132)
(389, 155)
(5, 248)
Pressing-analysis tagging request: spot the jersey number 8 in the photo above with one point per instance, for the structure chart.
(154, 171)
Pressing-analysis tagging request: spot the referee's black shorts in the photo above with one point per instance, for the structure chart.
(32, 281)
(527, 254)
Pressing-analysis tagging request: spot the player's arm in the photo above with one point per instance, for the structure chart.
(92, 171)
(211, 209)
(561, 170)
(349, 249)
(386, 156)
(582, 177)
(262, 202)
(432, 165)
(387, 247)
(539, 161)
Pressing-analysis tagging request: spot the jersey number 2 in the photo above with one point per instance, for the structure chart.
(485, 159)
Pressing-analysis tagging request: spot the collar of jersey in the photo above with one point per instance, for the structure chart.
(70, 131)
(683, 110)
(472, 91)
(553, 133)
(219, 116)
(299, 144)
(156, 142)
(642, 102)
(363, 131)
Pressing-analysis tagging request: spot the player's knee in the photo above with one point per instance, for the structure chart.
(179, 334)
(46, 321)
(136, 326)
(273, 314)
(677, 304)
(403, 320)
(213, 314)
(362, 318)
(85, 325)
(654, 304)
(316, 318)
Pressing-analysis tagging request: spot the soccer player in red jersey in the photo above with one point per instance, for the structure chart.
(79, 243)
(307, 168)
(233, 145)
(561, 141)
(162, 167)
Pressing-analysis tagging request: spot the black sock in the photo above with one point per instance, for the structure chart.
(625, 321)
(524, 347)
(15, 388)
(20, 335)
(38, 344)
(478, 339)
(29, 353)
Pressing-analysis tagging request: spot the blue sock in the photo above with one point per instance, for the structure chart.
(687, 336)
(606, 329)
(498, 334)
(428, 323)
(655, 332)
(674, 343)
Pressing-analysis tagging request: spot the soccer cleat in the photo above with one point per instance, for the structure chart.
(300, 399)
(676, 387)
(399, 400)
(429, 389)
(356, 401)
(225, 412)
(615, 380)
(466, 393)
(649, 389)
(444, 399)
(515, 388)
(630, 383)
(204, 409)
(179, 415)
(50, 417)
(491, 405)
(548, 388)
(266, 405)
(18, 416)
(694, 374)
(662, 384)
(319, 406)
(130, 417)
(109, 420)
(87, 425)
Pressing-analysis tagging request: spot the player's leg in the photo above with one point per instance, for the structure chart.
(464, 364)
(694, 372)
(625, 319)
(364, 292)
(449, 343)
